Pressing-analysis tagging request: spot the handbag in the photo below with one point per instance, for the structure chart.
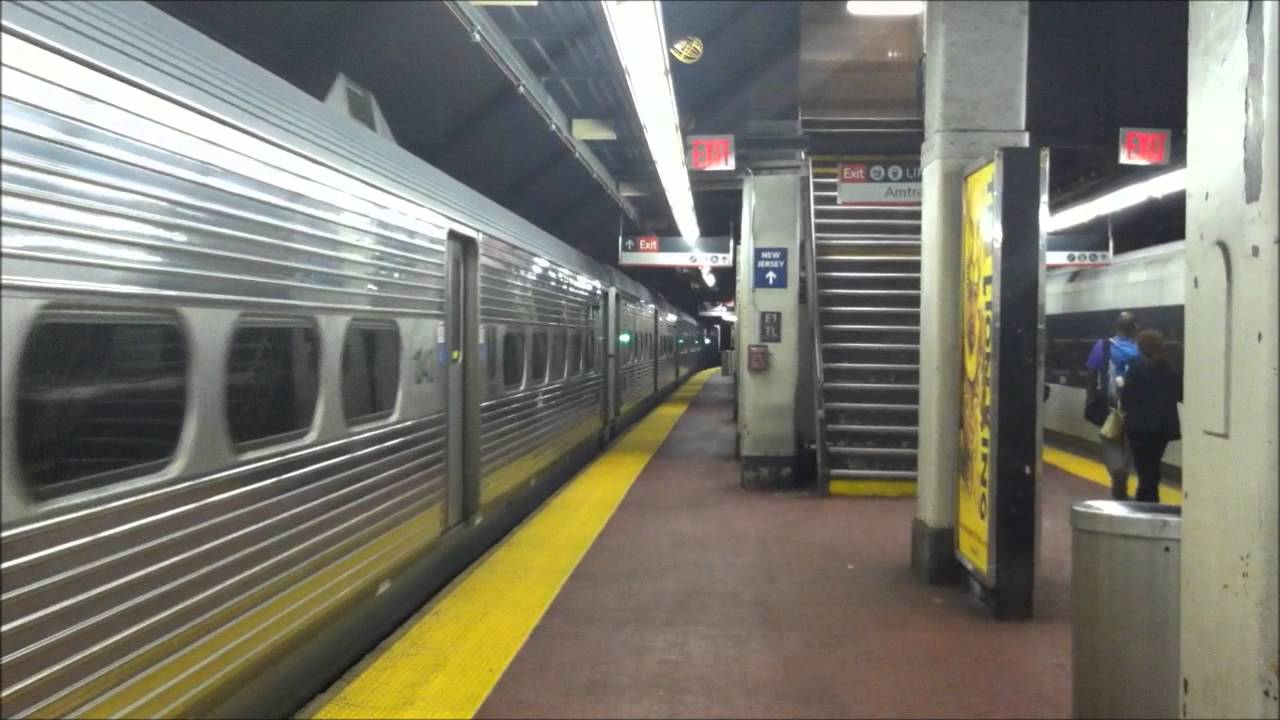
(1113, 428)
(1097, 410)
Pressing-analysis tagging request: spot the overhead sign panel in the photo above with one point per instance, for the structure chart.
(1144, 146)
(710, 153)
(722, 310)
(879, 182)
(770, 268)
(676, 252)
(1085, 245)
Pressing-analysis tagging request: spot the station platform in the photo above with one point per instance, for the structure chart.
(653, 585)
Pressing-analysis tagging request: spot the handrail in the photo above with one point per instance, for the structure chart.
(819, 409)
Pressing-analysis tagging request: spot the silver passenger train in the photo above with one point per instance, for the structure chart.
(268, 380)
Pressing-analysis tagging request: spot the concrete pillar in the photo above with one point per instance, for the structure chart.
(975, 102)
(1230, 454)
(766, 415)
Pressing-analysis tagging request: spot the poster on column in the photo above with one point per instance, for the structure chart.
(1002, 266)
(973, 500)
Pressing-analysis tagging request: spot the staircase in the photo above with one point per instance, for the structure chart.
(864, 294)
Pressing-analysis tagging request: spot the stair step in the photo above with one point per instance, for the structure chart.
(885, 429)
(866, 451)
(868, 346)
(847, 474)
(869, 386)
(869, 310)
(872, 328)
(894, 238)
(863, 208)
(844, 291)
(869, 258)
(852, 275)
(892, 407)
(869, 367)
(865, 221)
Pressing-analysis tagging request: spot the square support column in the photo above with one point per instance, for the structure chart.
(1230, 548)
(975, 102)
(771, 214)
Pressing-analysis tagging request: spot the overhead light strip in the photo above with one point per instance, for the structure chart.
(1126, 197)
(637, 32)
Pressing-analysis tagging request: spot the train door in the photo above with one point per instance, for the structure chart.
(611, 353)
(654, 350)
(461, 338)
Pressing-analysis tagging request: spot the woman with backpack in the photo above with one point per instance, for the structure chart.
(1150, 397)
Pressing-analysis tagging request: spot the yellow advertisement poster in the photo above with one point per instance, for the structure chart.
(973, 510)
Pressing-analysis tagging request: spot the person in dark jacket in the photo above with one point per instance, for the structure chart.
(1150, 397)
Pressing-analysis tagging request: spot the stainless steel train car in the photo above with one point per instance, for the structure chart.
(1080, 307)
(268, 381)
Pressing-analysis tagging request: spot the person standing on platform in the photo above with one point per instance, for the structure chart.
(1108, 363)
(1150, 397)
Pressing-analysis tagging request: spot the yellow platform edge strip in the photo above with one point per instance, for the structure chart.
(446, 664)
(1095, 472)
(1090, 470)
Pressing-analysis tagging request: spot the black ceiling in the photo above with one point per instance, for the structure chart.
(1093, 66)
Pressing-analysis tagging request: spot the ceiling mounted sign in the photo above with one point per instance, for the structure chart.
(675, 252)
(710, 153)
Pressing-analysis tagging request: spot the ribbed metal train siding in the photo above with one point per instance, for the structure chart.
(140, 603)
(524, 430)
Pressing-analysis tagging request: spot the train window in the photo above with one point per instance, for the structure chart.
(491, 351)
(575, 353)
(538, 359)
(272, 378)
(101, 397)
(512, 359)
(589, 352)
(556, 369)
(370, 370)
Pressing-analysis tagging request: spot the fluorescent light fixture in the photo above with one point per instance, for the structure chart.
(637, 32)
(1128, 196)
(885, 8)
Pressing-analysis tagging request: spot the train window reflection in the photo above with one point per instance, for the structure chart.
(538, 358)
(575, 353)
(101, 397)
(589, 354)
(370, 370)
(491, 351)
(272, 378)
(512, 359)
(556, 369)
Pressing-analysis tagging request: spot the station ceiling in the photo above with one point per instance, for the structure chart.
(1093, 66)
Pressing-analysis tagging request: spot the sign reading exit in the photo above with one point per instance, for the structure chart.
(770, 269)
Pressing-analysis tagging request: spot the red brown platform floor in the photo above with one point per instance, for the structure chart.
(701, 599)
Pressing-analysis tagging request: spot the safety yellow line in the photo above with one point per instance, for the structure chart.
(448, 662)
(1096, 472)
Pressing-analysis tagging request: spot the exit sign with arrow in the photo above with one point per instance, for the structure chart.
(675, 252)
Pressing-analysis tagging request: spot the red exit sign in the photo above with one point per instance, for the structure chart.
(709, 153)
(1144, 146)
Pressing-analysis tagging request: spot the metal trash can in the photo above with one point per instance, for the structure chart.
(726, 362)
(1125, 628)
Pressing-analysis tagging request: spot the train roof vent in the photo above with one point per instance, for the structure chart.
(356, 102)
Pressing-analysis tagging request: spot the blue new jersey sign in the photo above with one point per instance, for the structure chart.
(770, 269)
